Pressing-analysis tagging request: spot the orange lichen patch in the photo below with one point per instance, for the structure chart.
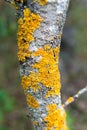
(25, 82)
(32, 101)
(43, 2)
(52, 107)
(26, 28)
(48, 72)
(70, 100)
(56, 118)
(31, 82)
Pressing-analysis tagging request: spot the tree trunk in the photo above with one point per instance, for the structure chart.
(40, 25)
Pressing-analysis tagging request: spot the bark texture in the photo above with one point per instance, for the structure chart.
(40, 26)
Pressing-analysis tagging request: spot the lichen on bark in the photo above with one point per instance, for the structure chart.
(40, 26)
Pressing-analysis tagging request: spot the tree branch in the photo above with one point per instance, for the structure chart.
(76, 96)
(40, 26)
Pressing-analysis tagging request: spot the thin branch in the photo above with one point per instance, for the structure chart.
(73, 98)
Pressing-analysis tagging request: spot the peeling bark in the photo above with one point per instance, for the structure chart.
(40, 26)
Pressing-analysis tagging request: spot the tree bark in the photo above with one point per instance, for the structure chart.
(40, 26)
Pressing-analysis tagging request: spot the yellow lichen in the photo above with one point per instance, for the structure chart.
(48, 72)
(26, 28)
(32, 101)
(42, 2)
(70, 99)
(31, 82)
(56, 118)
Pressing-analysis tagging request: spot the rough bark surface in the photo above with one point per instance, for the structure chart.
(40, 26)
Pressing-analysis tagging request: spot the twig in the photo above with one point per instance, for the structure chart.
(73, 98)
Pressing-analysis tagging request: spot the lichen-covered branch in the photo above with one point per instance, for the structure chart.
(40, 26)
(76, 96)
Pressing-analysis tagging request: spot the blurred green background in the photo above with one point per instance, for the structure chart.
(73, 67)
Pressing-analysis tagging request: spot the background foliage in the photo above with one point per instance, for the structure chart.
(73, 66)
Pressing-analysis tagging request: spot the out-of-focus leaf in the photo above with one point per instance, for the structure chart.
(1, 116)
(6, 103)
(2, 128)
(70, 120)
